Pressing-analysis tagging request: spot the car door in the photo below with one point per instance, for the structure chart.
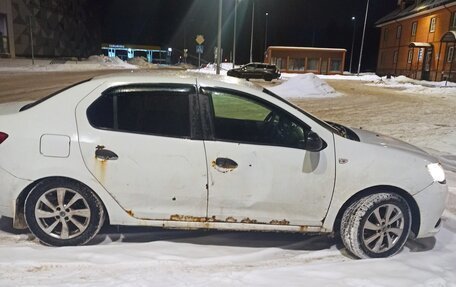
(138, 141)
(259, 170)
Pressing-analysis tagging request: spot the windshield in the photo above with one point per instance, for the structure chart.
(314, 118)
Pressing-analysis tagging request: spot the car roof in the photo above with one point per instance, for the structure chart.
(177, 77)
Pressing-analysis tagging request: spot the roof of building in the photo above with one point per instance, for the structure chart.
(420, 6)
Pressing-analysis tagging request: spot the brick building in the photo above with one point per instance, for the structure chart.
(418, 40)
(306, 59)
(60, 28)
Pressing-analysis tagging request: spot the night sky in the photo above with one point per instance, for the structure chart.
(175, 23)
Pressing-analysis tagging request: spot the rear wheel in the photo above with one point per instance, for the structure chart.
(376, 226)
(63, 213)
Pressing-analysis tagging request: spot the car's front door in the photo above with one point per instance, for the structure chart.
(138, 143)
(259, 170)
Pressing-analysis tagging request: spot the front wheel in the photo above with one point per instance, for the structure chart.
(376, 226)
(63, 212)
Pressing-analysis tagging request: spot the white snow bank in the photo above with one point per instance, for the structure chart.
(304, 86)
(364, 77)
(100, 62)
(143, 63)
(212, 68)
(417, 86)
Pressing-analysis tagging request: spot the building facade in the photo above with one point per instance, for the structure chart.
(56, 28)
(306, 59)
(418, 40)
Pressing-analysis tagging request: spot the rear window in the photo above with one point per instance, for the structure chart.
(31, 105)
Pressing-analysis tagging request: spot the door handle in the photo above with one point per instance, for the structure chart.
(105, 154)
(226, 163)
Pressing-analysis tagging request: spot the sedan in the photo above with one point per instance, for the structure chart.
(256, 71)
(187, 153)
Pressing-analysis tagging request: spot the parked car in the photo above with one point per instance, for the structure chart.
(186, 153)
(256, 71)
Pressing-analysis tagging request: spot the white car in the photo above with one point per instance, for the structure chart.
(186, 153)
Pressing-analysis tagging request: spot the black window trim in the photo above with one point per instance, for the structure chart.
(209, 115)
(195, 127)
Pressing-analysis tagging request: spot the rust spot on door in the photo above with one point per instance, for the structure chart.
(130, 212)
(231, 219)
(188, 218)
(248, 220)
(280, 222)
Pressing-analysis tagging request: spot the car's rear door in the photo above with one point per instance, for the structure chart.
(139, 142)
(259, 171)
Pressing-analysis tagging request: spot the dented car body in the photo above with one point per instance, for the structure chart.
(180, 152)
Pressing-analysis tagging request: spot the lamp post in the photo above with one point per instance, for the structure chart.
(234, 36)
(353, 43)
(219, 38)
(266, 33)
(251, 34)
(362, 41)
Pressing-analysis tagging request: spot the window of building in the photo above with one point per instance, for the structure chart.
(145, 110)
(395, 57)
(414, 28)
(312, 64)
(296, 64)
(385, 34)
(410, 56)
(398, 32)
(4, 47)
(432, 25)
(453, 20)
(450, 54)
(420, 54)
(336, 65)
(240, 118)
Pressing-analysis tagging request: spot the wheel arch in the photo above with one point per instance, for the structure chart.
(19, 214)
(414, 209)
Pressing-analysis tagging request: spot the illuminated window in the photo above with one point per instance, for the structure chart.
(336, 65)
(312, 64)
(414, 28)
(432, 25)
(453, 20)
(450, 54)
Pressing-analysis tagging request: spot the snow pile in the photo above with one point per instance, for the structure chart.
(304, 86)
(98, 62)
(366, 77)
(417, 86)
(142, 63)
(212, 68)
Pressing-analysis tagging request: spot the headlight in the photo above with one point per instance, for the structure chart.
(437, 172)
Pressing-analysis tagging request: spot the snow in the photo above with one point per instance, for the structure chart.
(418, 87)
(136, 256)
(95, 62)
(304, 86)
(212, 68)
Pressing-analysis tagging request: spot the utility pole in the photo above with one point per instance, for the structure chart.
(219, 38)
(251, 33)
(266, 33)
(362, 41)
(31, 41)
(234, 36)
(353, 43)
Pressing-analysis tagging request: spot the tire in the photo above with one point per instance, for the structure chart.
(268, 79)
(376, 226)
(63, 212)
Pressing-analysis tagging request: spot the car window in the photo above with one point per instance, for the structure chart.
(155, 111)
(242, 118)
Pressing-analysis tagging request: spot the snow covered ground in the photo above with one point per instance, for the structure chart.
(154, 257)
(304, 86)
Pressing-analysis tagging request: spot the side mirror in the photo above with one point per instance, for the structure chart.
(314, 142)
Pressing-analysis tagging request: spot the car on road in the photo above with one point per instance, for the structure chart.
(198, 153)
(256, 71)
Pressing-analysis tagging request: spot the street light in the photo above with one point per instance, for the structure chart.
(234, 36)
(362, 41)
(266, 33)
(251, 34)
(353, 43)
(219, 38)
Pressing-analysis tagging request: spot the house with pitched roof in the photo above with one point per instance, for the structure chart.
(418, 40)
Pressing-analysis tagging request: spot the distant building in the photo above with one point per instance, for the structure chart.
(60, 28)
(153, 54)
(306, 59)
(418, 40)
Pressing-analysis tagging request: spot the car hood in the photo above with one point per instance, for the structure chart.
(388, 142)
(13, 107)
